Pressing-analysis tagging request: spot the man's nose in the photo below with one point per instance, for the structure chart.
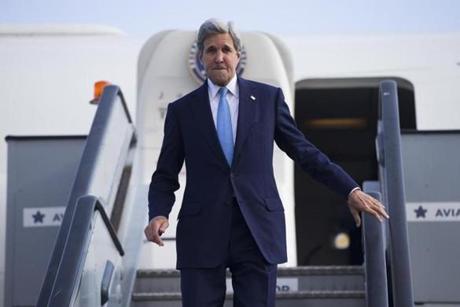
(219, 56)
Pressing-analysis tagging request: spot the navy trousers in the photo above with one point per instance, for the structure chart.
(253, 279)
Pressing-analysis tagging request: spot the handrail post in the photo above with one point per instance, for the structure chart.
(374, 255)
(100, 208)
(391, 176)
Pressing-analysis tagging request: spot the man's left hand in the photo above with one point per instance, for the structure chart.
(358, 201)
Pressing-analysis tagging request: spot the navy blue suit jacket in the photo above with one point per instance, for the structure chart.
(190, 135)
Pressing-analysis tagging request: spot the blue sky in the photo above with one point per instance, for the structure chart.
(144, 17)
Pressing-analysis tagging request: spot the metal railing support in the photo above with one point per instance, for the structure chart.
(374, 254)
(391, 178)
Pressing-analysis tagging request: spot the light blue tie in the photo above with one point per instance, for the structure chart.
(224, 126)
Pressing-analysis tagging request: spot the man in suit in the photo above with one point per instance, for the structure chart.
(231, 215)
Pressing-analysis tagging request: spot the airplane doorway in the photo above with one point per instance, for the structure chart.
(340, 117)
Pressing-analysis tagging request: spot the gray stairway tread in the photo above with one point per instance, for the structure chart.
(282, 271)
(291, 299)
(290, 295)
(311, 278)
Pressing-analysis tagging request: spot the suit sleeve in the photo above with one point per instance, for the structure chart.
(293, 142)
(165, 178)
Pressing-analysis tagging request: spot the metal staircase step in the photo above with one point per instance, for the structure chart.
(329, 298)
(308, 278)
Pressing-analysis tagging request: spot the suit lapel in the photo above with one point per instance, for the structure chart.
(247, 116)
(203, 115)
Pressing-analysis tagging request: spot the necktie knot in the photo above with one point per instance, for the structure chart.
(223, 91)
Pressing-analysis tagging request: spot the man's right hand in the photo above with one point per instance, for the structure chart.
(156, 227)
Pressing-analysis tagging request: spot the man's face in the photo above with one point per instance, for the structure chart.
(220, 58)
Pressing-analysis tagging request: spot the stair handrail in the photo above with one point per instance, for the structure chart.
(110, 99)
(389, 158)
(376, 285)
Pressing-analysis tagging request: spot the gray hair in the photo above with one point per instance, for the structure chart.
(213, 26)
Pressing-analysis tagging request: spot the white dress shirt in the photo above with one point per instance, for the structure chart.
(232, 98)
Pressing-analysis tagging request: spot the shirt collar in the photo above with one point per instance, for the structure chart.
(232, 87)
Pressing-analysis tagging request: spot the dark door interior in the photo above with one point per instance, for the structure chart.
(341, 121)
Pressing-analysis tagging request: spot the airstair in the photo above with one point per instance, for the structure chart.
(96, 248)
